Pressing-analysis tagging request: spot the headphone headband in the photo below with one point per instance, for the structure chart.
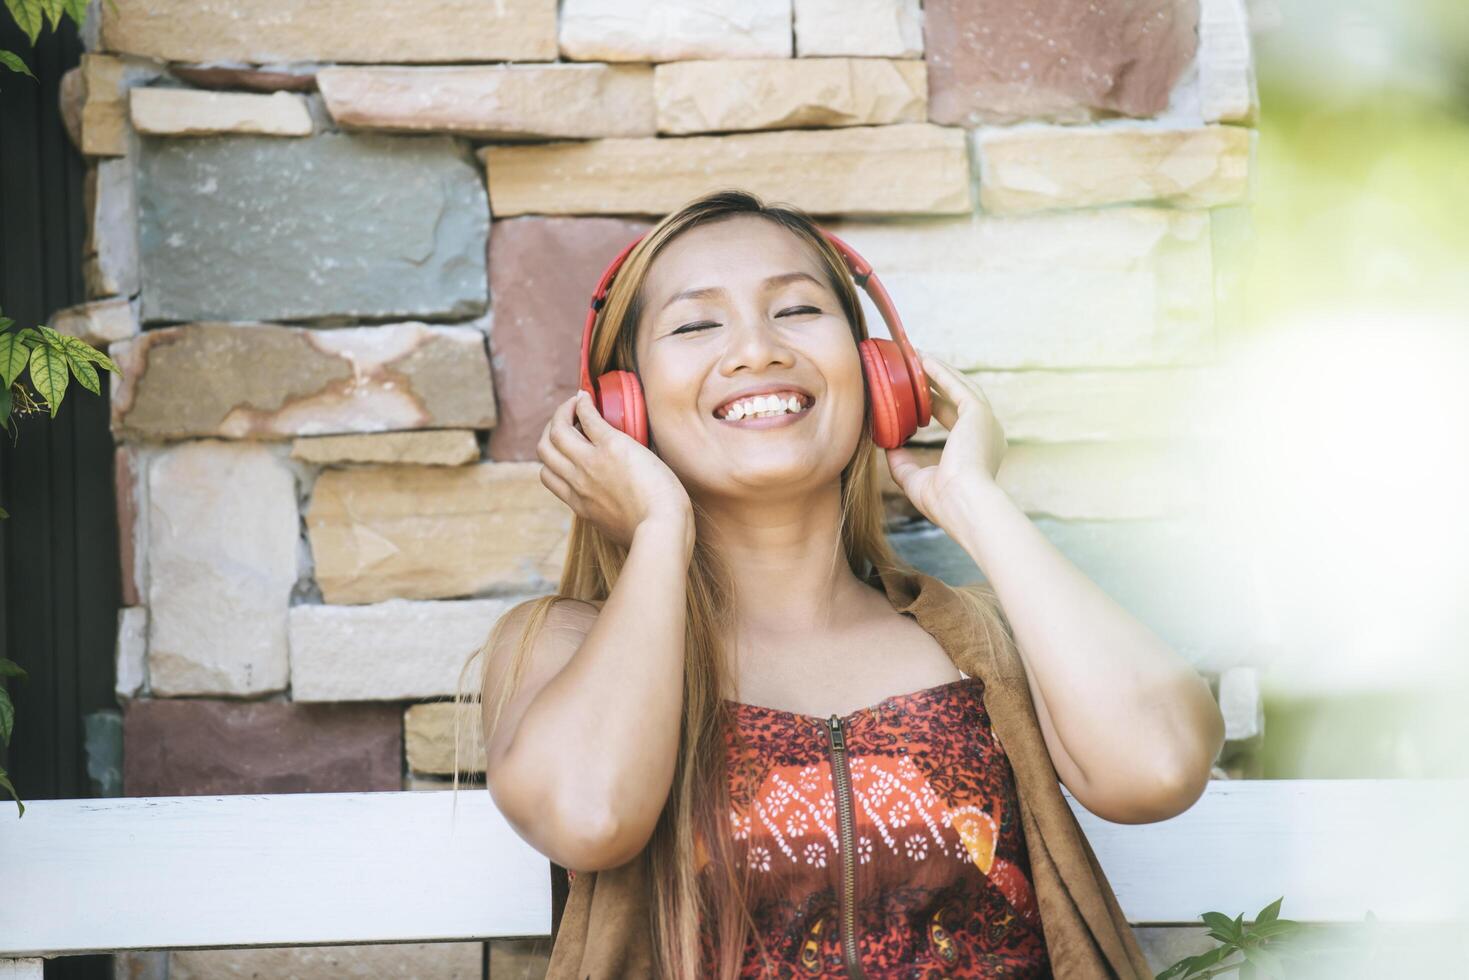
(859, 267)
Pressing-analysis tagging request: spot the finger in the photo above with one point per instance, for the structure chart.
(955, 382)
(557, 461)
(902, 466)
(592, 423)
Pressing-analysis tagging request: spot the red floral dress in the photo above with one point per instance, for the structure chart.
(883, 844)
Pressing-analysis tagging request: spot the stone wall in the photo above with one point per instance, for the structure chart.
(341, 250)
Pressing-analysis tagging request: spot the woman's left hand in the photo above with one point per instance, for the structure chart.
(972, 451)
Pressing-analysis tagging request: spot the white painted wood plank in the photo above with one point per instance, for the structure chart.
(30, 969)
(276, 870)
(158, 873)
(1335, 848)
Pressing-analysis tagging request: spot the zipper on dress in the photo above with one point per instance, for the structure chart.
(842, 786)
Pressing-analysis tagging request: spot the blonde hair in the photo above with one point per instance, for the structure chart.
(698, 800)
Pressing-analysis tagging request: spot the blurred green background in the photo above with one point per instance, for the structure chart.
(1345, 289)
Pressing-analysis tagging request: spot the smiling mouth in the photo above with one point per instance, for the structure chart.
(772, 406)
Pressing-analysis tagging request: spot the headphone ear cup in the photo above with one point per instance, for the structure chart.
(894, 413)
(620, 401)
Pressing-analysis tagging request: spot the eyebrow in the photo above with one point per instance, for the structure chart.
(704, 292)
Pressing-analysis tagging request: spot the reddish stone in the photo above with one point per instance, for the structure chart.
(1064, 60)
(198, 747)
(251, 79)
(542, 273)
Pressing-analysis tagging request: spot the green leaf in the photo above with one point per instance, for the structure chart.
(4, 513)
(77, 11)
(1223, 927)
(55, 338)
(5, 783)
(9, 668)
(80, 348)
(86, 375)
(48, 375)
(27, 14)
(7, 716)
(1265, 960)
(1270, 912)
(13, 356)
(55, 10)
(1278, 927)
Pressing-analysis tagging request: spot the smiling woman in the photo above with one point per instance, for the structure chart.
(738, 722)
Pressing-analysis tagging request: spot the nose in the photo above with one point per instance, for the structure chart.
(755, 343)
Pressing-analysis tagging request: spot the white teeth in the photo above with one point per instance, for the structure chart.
(763, 405)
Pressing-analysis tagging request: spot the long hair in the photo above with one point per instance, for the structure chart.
(686, 914)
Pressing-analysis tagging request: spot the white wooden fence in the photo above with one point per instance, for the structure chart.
(152, 873)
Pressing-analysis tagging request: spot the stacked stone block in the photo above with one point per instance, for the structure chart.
(341, 251)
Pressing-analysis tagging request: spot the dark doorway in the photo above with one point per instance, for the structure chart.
(59, 578)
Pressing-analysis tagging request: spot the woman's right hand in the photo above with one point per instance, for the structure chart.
(605, 475)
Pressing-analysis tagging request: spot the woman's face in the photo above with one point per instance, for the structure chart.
(736, 305)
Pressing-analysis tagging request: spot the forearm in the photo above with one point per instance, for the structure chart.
(614, 712)
(1133, 717)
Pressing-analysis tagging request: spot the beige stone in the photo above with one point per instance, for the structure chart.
(1110, 288)
(1226, 64)
(862, 28)
(398, 650)
(1102, 481)
(674, 30)
(433, 532)
(99, 322)
(421, 961)
(333, 30)
(908, 168)
(429, 731)
(1084, 481)
(1030, 168)
(223, 529)
(763, 93)
(266, 381)
(1088, 406)
(106, 80)
(430, 447)
(494, 101)
(191, 112)
(519, 959)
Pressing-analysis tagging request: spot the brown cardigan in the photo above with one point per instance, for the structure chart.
(604, 930)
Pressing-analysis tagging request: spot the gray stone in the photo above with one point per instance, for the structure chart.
(329, 228)
(110, 250)
(131, 652)
(102, 732)
(223, 528)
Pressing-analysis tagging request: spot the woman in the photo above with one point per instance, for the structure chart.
(727, 699)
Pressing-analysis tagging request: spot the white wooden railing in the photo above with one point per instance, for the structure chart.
(153, 873)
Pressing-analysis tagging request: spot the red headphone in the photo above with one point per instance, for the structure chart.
(895, 379)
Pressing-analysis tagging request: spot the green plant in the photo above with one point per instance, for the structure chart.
(7, 720)
(53, 359)
(28, 15)
(1261, 949)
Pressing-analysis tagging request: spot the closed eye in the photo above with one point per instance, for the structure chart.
(704, 324)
